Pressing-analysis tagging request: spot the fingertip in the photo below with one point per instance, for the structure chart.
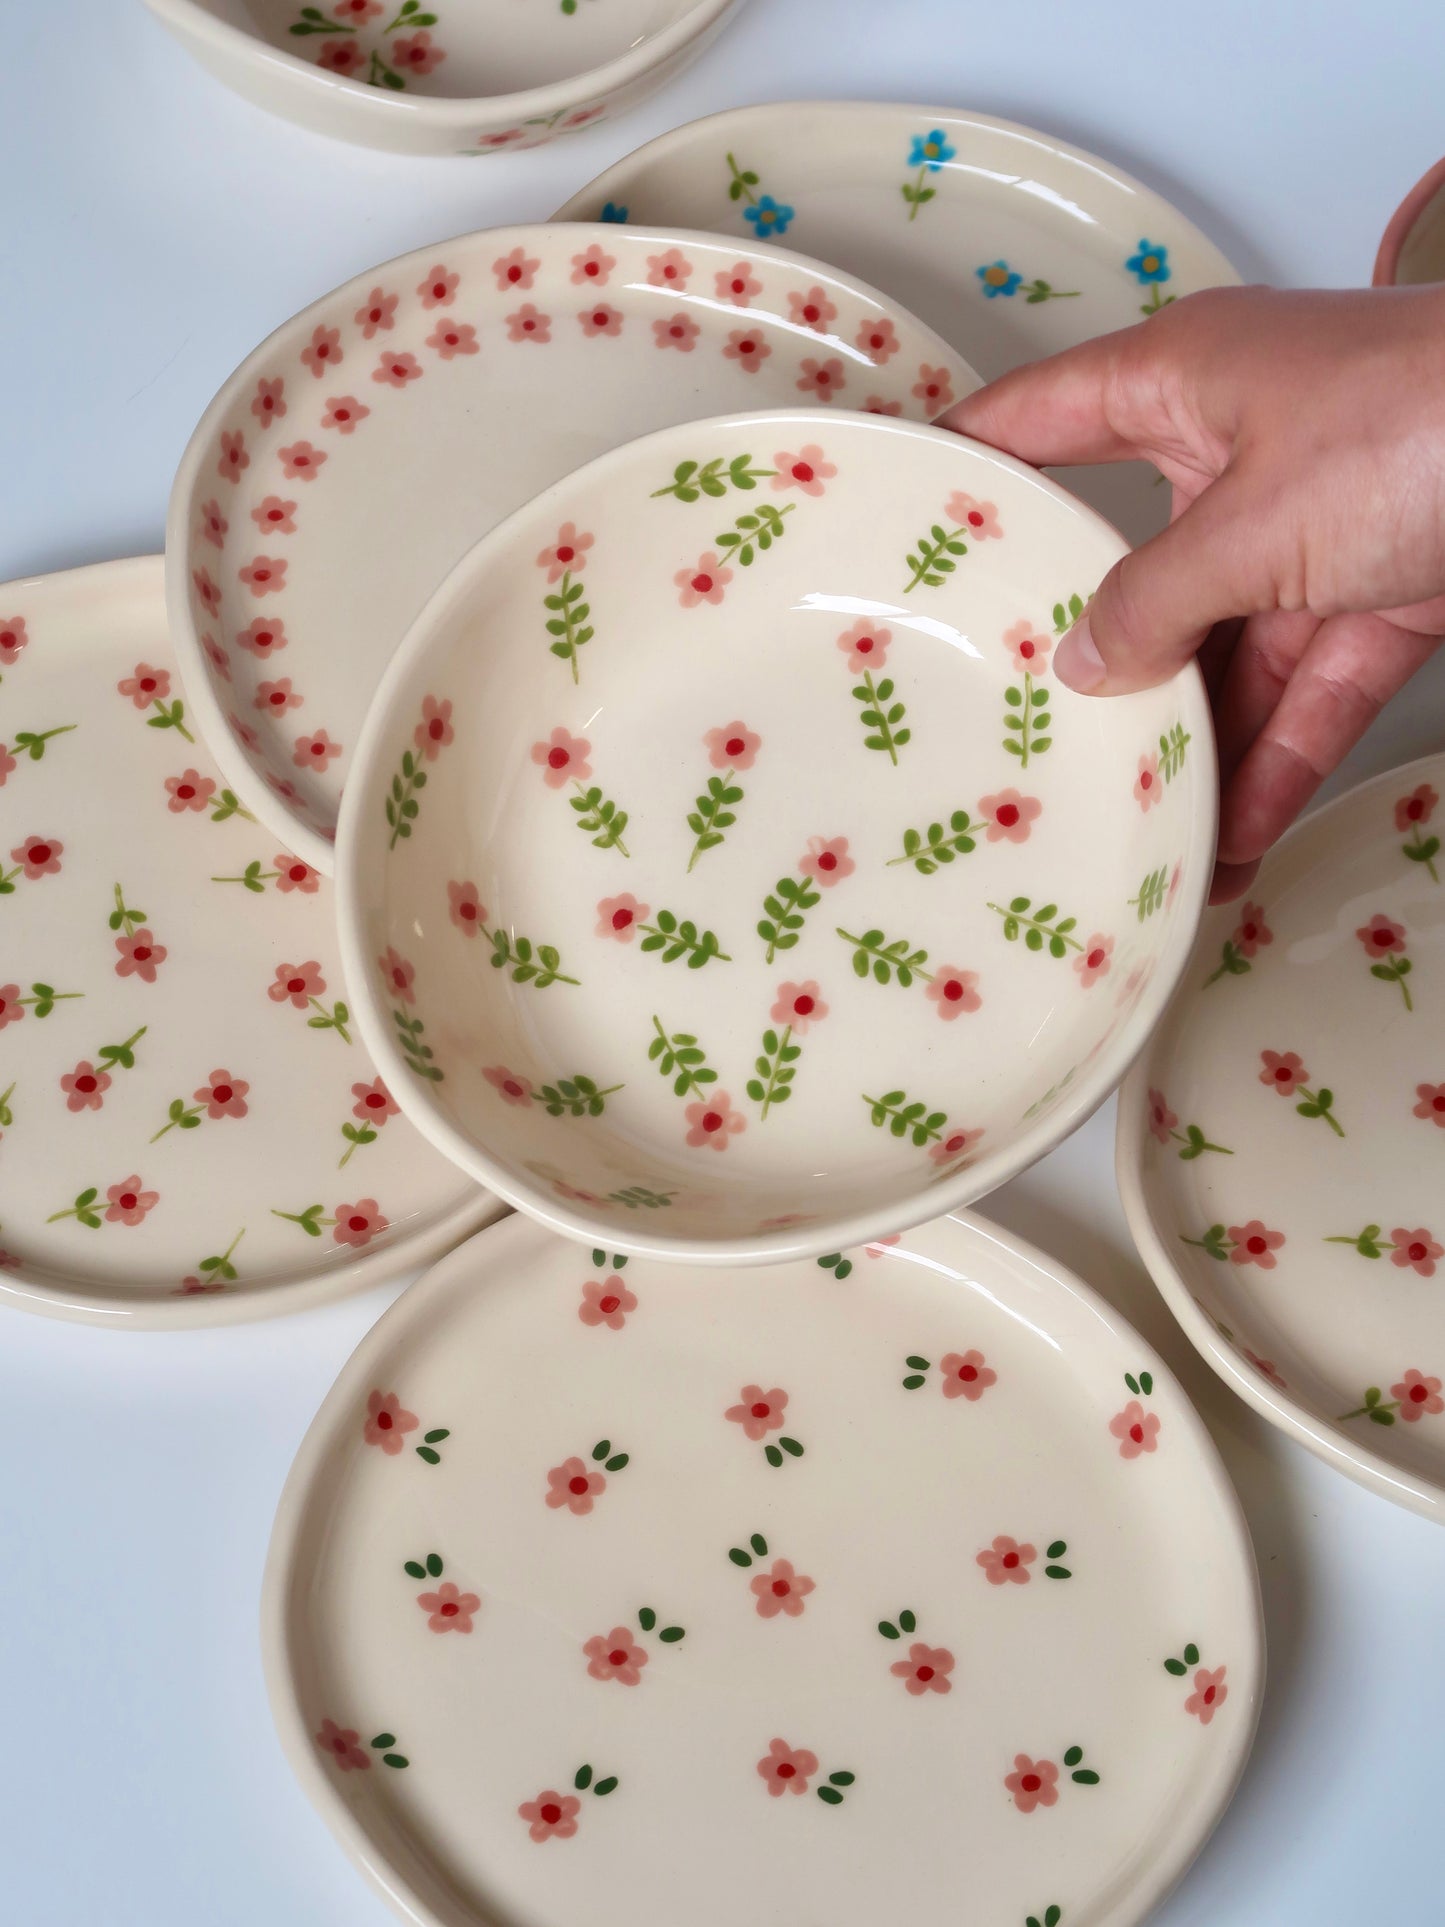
(1078, 664)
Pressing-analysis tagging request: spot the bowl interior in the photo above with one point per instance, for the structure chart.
(723, 852)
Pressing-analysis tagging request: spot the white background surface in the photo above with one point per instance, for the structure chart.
(152, 229)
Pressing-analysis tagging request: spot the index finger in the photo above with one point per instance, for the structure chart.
(1062, 410)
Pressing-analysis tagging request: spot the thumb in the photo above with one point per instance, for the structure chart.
(1154, 608)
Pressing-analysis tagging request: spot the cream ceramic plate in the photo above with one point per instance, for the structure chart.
(1011, 243)
(352, 459)
(723, 873)
(906, 1586)
(1282, 1141)
(190, 1130)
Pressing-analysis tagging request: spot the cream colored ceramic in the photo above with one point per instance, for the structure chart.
(1282, 1140)
(352, 459)
(723, 874)
(191, 1131)
(1008, 241)
(1412, 249)
(905, 1586)
(445, 76)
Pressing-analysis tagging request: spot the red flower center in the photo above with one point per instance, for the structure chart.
(141, 952)
(786, 1770)
(968, 1373)
(565, 552)
(1028, 650)
(1208, 1695)
(952, 990)
(449, 1610)
(1383, 936)
(551, 1813)
(577, 1485)
(374, 1101)
(467, 912)
(1255, 1245)
(439, 290)
(1030, 1783)
(600, 318)
(781, 1589)
(1417, 1251)
(974, 517)
(609, 1303)
(398, 980)
(436, 729)
(1283, 1075)
(823, 379)
(384, 1421)
(617, 1657)
(1094, 958)
(1438, 1103)
(297, 872)
(1136, 1433)
(512, 1088)
(925, 1673)
(712, 1120)
(558, 758)
(747, 347)
(85, 1084)
(127, 1200)
(669, 273)
(621, 919)
(7, 639)
(222, 1093)
(676, 331)
(1249, 931)
(1146, 779)
(39, 852)
(803, 471)
(804, 1006)
(877, 339)
(1418, 1394)
(702, 582)
(374, 315)
(147, 685)
(185, 791)
(342, 414)
(295, 985)
(267, 403)
(738, 285)
(864, 646)
(1414, 809)
(810, 311)
(528, 325)
(955, 1143)
(761, 1409)
(734, 745)
(1007, 815)
(1010, 1560)
(356, 1222)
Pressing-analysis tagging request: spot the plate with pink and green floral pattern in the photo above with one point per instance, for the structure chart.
(903, 1584)
(191, 1131)
(1282, 1140)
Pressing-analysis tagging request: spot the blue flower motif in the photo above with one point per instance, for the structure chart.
(930, 151)
(1151, 263)
(612, 212)
(998, 278)
(769, 218)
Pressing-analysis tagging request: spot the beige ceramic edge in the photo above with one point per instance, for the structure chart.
(1069, 1106)
(1412, 248)
(281, 83)
(280, 1611)
(1318, 1435)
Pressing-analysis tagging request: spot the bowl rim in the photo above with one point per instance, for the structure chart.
(449, 113)
(824, 1234)
(1402, 225)
(1337, 1448)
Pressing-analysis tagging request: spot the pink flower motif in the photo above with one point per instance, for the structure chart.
(606, 1301)
(799, 1006)
(826, 860)
(878, 339)
(1416, 1250)
(38, 856)
(376, 313)
(980, 521)
(618, 917)
(1283, 1072)
(206, 590)
(139, 956)
(374, 1103)
(398, 976)
(297, 984)
(1010, 815)
(223, 1095)
(510, 1086)
(1418, 1396)
(965, 1375)
(592, 267)
(275, 698)
(563, 758)
(529, 324)
(501, 140)
(340, 1743)
(1417, 808)
(358, 12)
(1136, 1430)
(1176, 876)
(264, 575)
(551, 1816)
(1033, 1783)
(189, 791)
(1095, 959)
(1210, 1693)
(876, 405)
(822, 378)
(1251, 931)
(341, 57)
(680, 332)
(1006, 1562)
(387, 1422)
(323, 352)
(759, 1412)
(787, 1769)
(451, 338)
(515, 270)
(293, 874)
(301, 461)
(1255, 1244)
(1431, 1103)
(315, 752)
(807, 471)
(865, 645)
(574, 1484)
(434, 732)
(1265, 1367)
(128, 1203)
(216, 656)
(397, 370)
(275, 516)
(953, 992)
(880, 1245)
(703, 583)
(925, 1670)
(243, 732)
(146, 685)
(781, 1590)
(466, 908)
(671, 269)
(1381, 936)
(8, 763)
(813, 309)
(574, 1196)
(233, 456)
(748, 348)
(11, 1008)
(13, 638)
(1031, 648)
(737, 284)
(615, 1656)
(191, 1287)
(734, 746)
(1148, 790)
(85, 1087)
(569, 551)
(213, 524)
(713, 1121)
(601, 320)
(357, 1224)
(953, 1144)
(449, 1610)
(264, 635)
(437, 287)
(1162, 1121)
(934, 388)
(269, 402)
(343, 412)
(282, 786)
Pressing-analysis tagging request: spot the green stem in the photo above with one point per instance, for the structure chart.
(672, 937)
(173, 721)
(680, 1070)
(917, 188)
(930, 552)
(1312, 1097)
(1203, 1145)
(5, 1096)
(9, 876)
(772, 1084)
(876, 950)
(1044, 929)
(193, 1110)
(129, 922)
(333, 1022)
(708, 809)
(881, 713)
(1363, 1411)
(1417, 847)
(743, 189)
(892, 1110)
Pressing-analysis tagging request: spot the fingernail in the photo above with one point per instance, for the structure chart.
(1078, 663)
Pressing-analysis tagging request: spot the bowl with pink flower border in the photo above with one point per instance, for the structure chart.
(745, 886)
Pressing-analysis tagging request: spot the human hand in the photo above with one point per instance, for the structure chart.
(1304, 435)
